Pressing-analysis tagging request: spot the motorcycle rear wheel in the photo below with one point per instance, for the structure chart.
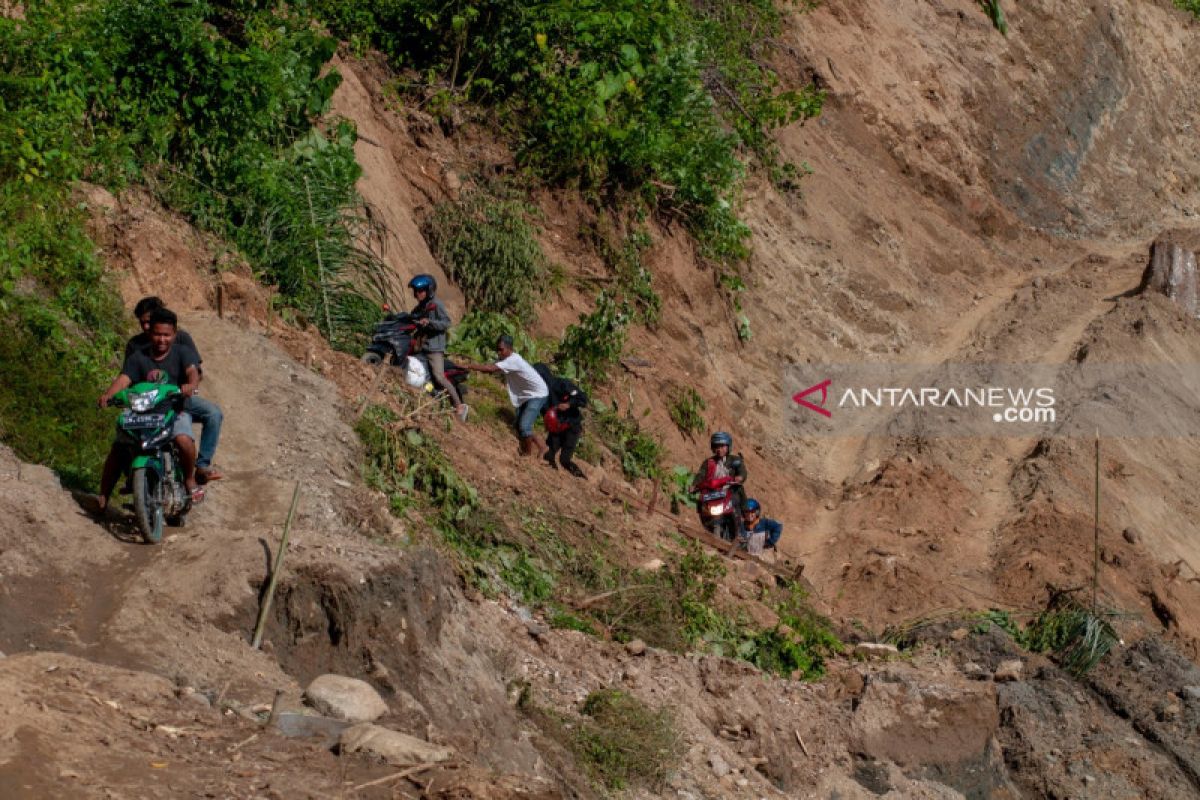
(147, 504)
(372, 358)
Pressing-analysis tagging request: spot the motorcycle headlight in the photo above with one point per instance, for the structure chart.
(142, 402)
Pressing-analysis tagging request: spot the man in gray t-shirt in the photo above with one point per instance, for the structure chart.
(526, 391)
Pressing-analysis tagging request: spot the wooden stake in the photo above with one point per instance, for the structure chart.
(266, 606)
(276, 706)
(1096, 533)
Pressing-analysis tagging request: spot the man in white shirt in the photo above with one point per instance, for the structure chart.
(526, 390)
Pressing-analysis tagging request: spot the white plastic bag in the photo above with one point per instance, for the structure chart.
(415, 373)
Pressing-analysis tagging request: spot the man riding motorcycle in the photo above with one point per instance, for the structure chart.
(720, 472)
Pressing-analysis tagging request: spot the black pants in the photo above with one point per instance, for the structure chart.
(566, 442)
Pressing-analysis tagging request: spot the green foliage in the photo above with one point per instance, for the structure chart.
(996, 13)
(1077, 636)
(640, 453)
(305, 223)
(687, 409)
(491, 252)
(623, 255)
(678, 486)
(591, 347)
(660, 99)
(675, 608)
(401, 461)
(623, 742)
(1192, 6)
(215, 106)
(566, 620)
(63, 320)
(475, 337)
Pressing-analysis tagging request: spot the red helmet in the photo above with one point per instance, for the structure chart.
(553, 423)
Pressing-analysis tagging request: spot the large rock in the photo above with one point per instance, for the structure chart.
(398, 749)
(345, 698)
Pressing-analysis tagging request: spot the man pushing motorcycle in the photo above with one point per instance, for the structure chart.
(181, 366)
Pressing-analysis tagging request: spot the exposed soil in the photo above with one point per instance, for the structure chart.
(974, 198)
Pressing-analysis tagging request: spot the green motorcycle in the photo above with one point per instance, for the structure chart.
(144, 432)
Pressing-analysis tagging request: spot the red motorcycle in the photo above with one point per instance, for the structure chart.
(718, 507)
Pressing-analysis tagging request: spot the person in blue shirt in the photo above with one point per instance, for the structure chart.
(757, 523)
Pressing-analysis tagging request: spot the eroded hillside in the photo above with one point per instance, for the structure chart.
(974, 198)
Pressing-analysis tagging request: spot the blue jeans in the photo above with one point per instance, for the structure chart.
(209, 415)
(527, 414)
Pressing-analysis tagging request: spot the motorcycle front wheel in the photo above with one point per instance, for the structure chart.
(372, 358)
(147, 504)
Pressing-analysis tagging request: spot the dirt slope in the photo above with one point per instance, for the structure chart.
(974, 198)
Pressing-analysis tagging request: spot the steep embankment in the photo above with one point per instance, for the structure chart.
(974, 199)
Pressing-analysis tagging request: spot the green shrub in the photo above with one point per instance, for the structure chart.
(216, 105)
(623, 255)
(401, 461)
(639, 453)
(687, 409)
(491, 252)
(1192, 6)
(1077, 636)
(622, 742)
(63, 320)
(592, 346)
(660, 99)
(475, 337)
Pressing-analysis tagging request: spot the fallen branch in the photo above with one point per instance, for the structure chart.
(591, 601)
(402, 774)
(802, 747)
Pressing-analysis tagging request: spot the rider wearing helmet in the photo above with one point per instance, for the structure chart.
(431, 316)
(723, 465)
(756, 523)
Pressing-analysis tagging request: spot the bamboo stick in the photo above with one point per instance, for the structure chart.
(266, 605)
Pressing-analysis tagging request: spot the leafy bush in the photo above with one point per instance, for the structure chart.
(1189, 5)
(653, 97)
(489, 249)
(63, 320)
(640, 453)
(475, 337)
(687, 409)
(591, 347)
(621, 741)
(401, 461)
(1078, 636)
(623, 255)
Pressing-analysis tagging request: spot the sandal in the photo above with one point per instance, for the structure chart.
(207, 474)
(197, 495)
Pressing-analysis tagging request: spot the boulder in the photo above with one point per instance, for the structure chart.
(871, 650)
(397, 749)
(1009, 670)
(345, 698)
(636, 647)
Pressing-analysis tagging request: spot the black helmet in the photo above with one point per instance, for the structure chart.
(423, 283)
(721, 438)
